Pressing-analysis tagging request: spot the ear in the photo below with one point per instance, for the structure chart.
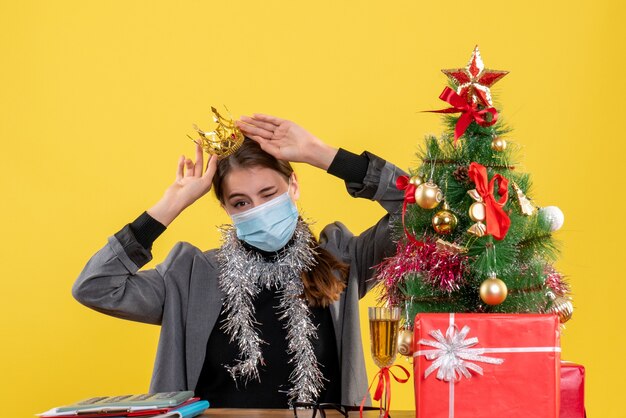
(295, 189)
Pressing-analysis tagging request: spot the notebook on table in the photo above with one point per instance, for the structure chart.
(148, 404)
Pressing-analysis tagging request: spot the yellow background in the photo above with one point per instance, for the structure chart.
(97, 98)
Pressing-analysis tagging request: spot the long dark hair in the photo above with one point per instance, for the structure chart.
(321, 286)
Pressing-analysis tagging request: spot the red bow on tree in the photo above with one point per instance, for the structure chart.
(403, 183)
(469, 111)
(497, 220)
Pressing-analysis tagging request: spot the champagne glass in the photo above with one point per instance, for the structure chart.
(384, 325)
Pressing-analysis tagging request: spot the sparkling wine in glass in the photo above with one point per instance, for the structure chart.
(384, 326)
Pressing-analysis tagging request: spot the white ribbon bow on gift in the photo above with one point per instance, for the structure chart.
(453, 355)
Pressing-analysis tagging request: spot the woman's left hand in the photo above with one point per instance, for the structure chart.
(286, 140)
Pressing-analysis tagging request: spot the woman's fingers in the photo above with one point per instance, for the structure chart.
(268, 146)
(258, 123)
(211, 168)
(268, 118)
(254, 130)
(197, 169)
(188, 167)
(179, 171)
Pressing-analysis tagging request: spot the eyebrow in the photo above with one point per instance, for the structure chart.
(236, 195)
(263, 190)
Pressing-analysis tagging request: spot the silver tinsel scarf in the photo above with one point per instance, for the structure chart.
(243, 274)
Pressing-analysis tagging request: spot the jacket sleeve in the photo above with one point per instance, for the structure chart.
(111, 282)
(373, 245)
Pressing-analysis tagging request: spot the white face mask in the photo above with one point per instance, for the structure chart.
(269, 226)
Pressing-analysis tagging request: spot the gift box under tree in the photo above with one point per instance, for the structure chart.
(572, 390)
(486, 365)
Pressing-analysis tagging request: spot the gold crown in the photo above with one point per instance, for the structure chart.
(224, 140)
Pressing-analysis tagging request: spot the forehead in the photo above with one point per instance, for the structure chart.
(251, 180)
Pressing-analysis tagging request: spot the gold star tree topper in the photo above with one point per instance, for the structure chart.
(473, 81)
(224, 140)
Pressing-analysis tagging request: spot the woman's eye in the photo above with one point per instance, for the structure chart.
(239, 204)
(269, 195)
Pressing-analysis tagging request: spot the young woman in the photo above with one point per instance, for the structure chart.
(270, 317)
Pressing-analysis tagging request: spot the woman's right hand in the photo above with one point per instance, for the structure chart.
(190, 185)
(286, 140)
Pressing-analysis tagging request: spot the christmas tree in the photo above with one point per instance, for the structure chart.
(471, 239)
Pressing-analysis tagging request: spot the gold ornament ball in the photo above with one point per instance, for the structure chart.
(405, 342)
(428, 195)
(416, 180)
(563, 307)
(493, 291)
(444, 222)
(498, 144)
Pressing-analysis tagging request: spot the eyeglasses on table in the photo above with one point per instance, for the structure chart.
(315, 410)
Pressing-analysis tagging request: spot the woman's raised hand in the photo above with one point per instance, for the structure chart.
(286, 140)
(193, 181)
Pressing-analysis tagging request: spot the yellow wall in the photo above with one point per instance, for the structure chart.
(97, 98)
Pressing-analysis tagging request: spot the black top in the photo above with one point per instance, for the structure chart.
(215, 384)
(218, 387)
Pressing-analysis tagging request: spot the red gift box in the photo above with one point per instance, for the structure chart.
(486, 365)
(572, 390)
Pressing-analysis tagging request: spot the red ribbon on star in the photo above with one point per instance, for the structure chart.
(403, 183)
(384, 386)
(497, 220)
(469, 111)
